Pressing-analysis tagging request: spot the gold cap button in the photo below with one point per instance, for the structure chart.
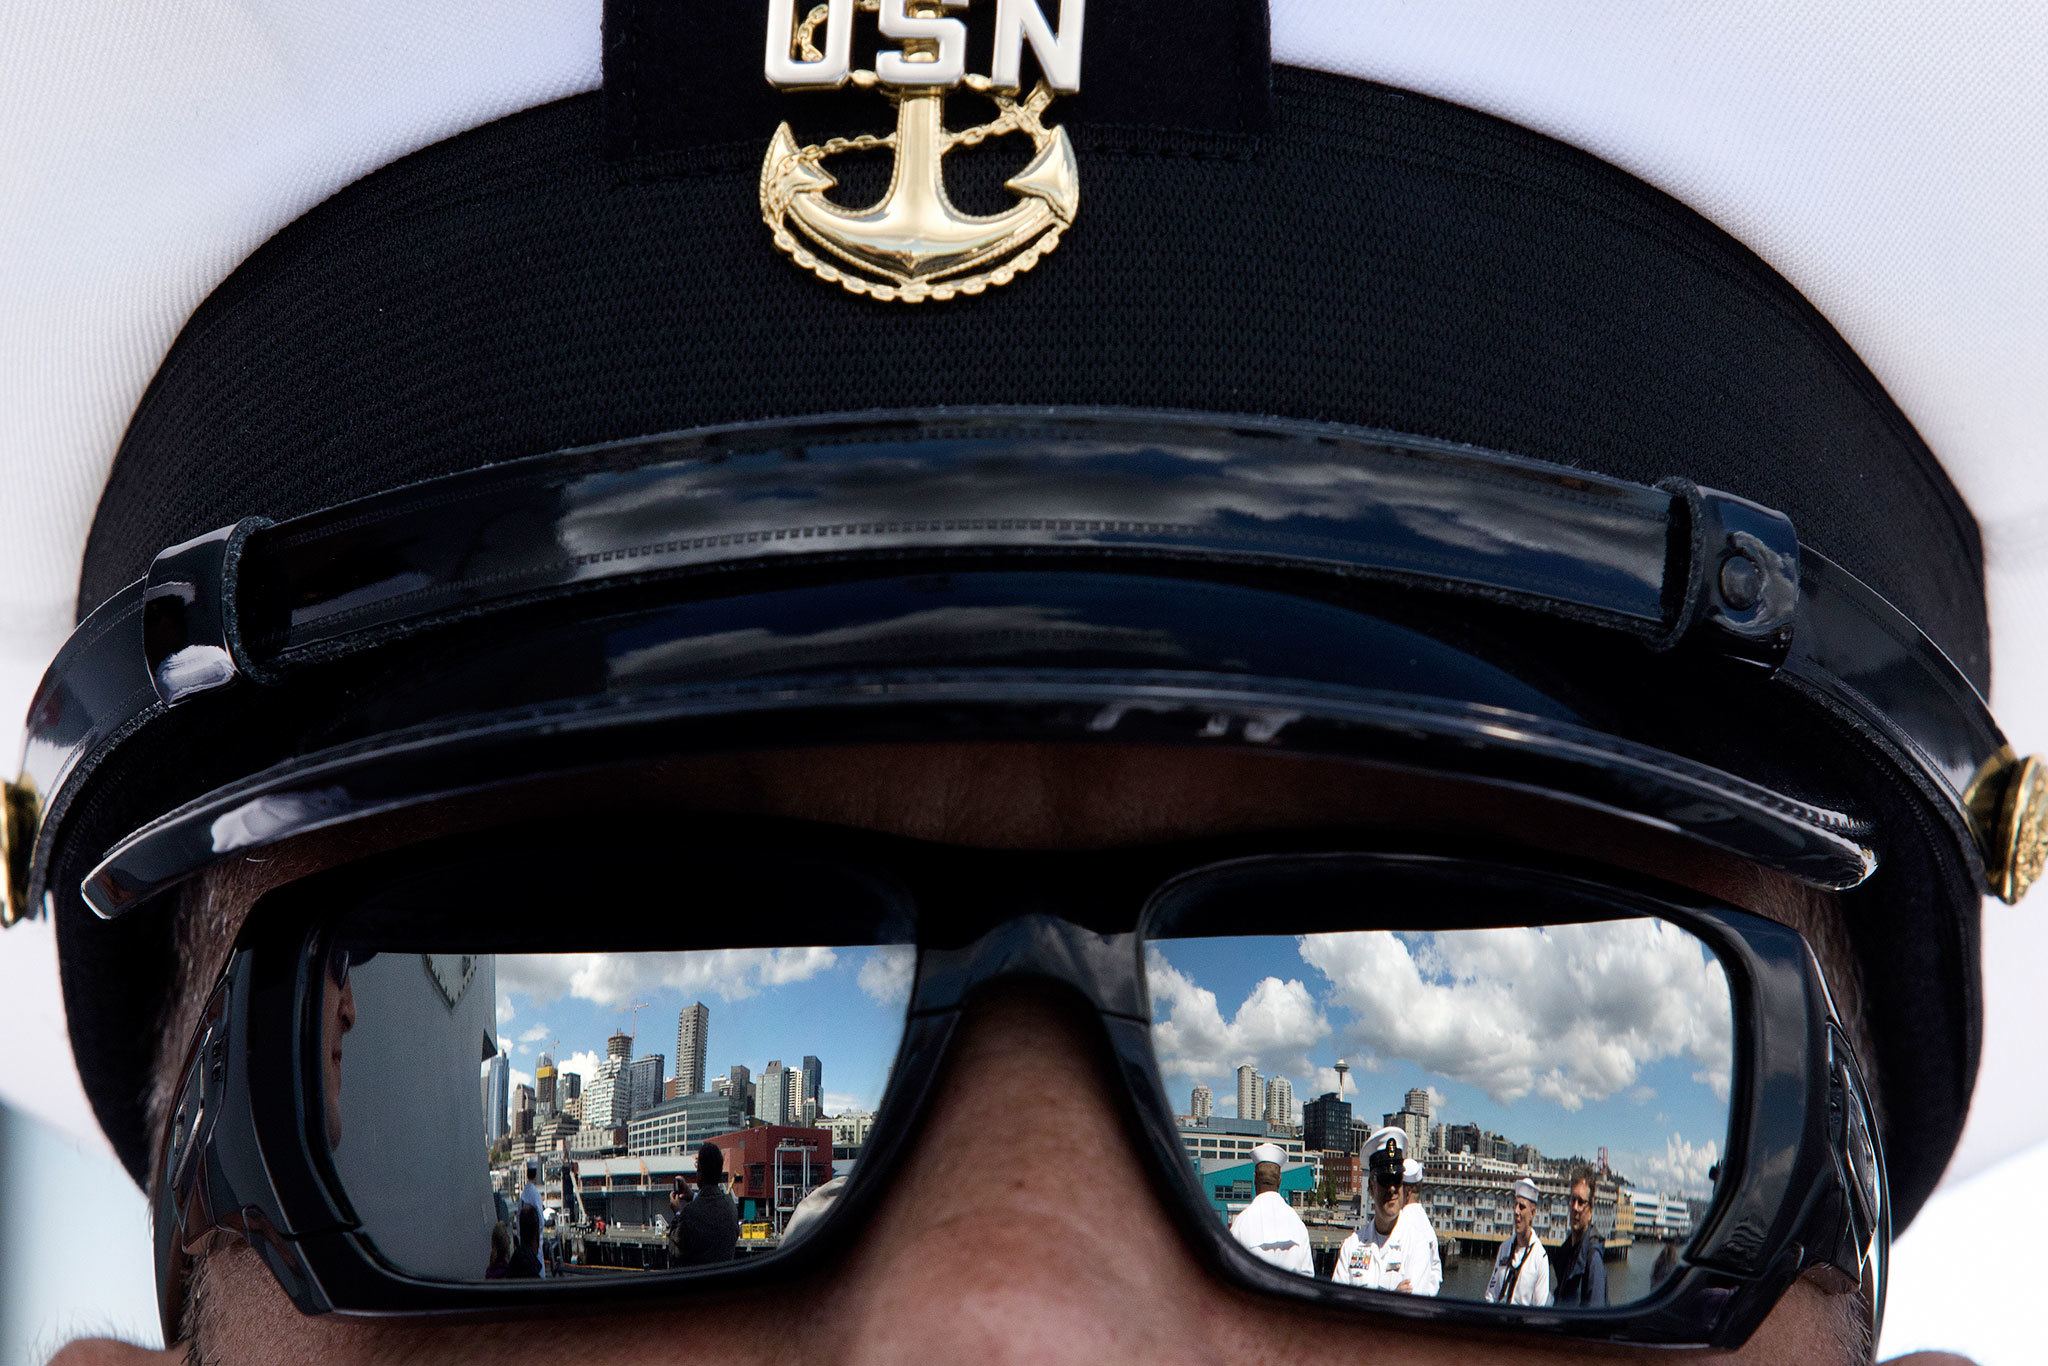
(2022, 831)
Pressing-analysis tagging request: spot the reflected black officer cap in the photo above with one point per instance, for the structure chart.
(463, 346)
(1389, 1163)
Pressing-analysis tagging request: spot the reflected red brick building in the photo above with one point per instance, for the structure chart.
(761, 1162)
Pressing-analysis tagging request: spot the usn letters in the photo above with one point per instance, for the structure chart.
(943, 61)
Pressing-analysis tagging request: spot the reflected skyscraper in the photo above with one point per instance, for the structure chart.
(774, 1091)
(605, 1099)
(1326, 1124)
(812, 1102)
(693, 1037)
(497, 1096)
(522, 1109)
(1412, 1119)
(1280, 1101)
(641, 1081)
(1250, 1099)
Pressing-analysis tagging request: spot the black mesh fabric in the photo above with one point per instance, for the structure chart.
(1377, 258)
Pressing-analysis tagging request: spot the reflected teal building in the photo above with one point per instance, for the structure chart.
(1229, 1186)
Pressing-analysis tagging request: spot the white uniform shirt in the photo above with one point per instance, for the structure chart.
(1381, 1261)
(1426, 1265)
(1532, 1285)
(1274, 1232)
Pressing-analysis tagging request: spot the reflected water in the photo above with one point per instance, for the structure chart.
(1630, 1276)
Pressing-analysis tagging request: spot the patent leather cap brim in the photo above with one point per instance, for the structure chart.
(1477, 741)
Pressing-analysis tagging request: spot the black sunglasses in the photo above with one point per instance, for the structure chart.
(261, 1141)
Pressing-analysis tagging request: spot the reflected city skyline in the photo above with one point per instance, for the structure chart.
(764, 1006)
(1529, 1033)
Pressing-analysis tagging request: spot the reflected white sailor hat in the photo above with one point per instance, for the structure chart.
(806, 1218)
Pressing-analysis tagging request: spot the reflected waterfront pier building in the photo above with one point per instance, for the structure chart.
(1468, 1175)
(1471, 1199)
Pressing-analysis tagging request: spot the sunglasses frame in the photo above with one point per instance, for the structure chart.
(1801, 1189)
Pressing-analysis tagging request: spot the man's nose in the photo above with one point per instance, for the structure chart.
(1024, 1225)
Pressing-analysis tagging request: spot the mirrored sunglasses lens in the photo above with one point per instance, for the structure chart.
(592, 1114)
(1531, 1115)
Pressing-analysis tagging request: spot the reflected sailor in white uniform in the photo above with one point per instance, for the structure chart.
(1389, 1251)
(1427, 1271)
(1521, 1269)
(1268, 1225)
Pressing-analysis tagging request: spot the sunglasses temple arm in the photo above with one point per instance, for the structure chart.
(195, 1190)
(1849, 1242)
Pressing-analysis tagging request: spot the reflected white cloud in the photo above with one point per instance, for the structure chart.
(613, 979)
(1274, 1028)
(1571, 1013)
(583, 1063)
(1681, 1169)
(887, 974)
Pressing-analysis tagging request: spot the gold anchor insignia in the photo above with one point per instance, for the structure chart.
(914, 244)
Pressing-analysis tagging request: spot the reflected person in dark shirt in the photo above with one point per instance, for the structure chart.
(1580, 1259)
(710, 1224)
(525, 1262)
